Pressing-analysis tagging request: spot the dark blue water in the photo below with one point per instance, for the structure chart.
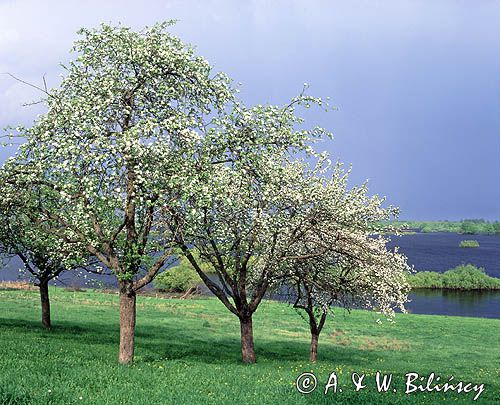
(425, 251)
(9, 271)
(484, 304)
(440, 251)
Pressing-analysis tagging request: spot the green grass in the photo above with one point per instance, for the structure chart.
(469, 243)
(462, 277)
(187, 352)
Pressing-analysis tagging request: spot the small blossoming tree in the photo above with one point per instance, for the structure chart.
(358, 272)
(44, 255)
(355, 268)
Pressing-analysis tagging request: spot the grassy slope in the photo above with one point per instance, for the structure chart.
(188, 352)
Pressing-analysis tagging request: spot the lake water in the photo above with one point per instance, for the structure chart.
(484, 304)
(440, 252)
(425, 251)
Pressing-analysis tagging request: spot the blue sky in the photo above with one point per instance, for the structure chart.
(416, 83)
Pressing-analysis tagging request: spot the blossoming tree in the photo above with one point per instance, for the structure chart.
(115, 145)
(44, 255)
(357, 271)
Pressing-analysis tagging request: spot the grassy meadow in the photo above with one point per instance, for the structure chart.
(187, 352)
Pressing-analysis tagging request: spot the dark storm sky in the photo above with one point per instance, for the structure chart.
(416, 83)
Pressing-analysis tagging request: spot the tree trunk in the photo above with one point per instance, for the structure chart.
(247, 349)
(44, 298)
(127, 322)
(314, 347)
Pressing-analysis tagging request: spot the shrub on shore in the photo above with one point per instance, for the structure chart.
(179, 278)
(463, 277)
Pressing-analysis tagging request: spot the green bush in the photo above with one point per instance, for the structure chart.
(470, 243)
(469, 277)
(463, 277)
(426, 279)
(178, 278)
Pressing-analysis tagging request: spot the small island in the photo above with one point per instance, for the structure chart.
(469, 243)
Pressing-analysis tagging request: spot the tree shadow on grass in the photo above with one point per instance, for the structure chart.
(169, 342)
(269, 351)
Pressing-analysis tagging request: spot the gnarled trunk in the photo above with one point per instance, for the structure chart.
(314, 347)
(45, 301)
(247, 349)
(127, 322)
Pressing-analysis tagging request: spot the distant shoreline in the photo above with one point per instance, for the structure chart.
(463, 227)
